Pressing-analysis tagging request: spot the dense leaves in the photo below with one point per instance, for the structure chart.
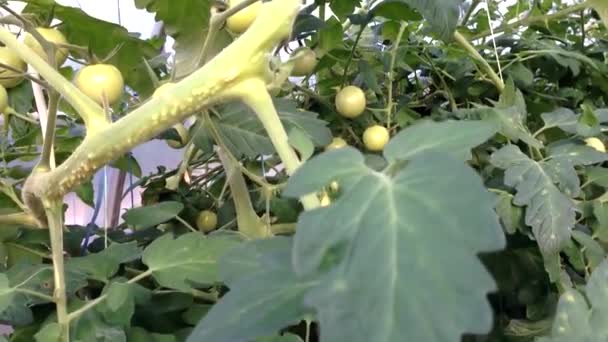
(485, 218)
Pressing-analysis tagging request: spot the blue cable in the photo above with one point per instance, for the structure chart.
(91, 226)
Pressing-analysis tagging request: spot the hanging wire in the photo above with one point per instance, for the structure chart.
(493, 40)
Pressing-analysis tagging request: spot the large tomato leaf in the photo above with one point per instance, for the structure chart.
(188, 260)
(442, 15)
(103, 265)
(549, 212)
(509, 114)
(148, 216)
(429, 217)
(186, 22)
(102, 38)
(240, 129)
(576, 318)
(453, 137)
(265, 293)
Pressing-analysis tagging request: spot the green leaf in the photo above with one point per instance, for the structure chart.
(342, 8)
(593, 251)
(387, 226)
(511, 216)
(189, 259)
(549, 212)
(128, 164)
(281, 338)
(188, 24)
(151, 215)
(345, 163)
(588, 124)
(119, 306)
(575, 320)
(456, 138)
(242, 132)
(442, 15)
(395, 10)
(262, 300)
(103, 265)
(137, 334)
(86, 194)
(301, 143)
(6, 292)
(49, 333)
(330, 36)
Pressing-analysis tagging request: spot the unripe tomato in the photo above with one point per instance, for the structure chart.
(53, 36)
(3, 100)
(305, 64)
(10, 78)
(240, 21)
(99, 82)
(375, 138)
(206, 221)
(350, 102)
(596, 144)
(336, 143)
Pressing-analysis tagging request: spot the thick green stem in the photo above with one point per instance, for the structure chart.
(245, 58)
(54, 214)
(261, 103)
(92, 114)
(535, 19)
(460, 39)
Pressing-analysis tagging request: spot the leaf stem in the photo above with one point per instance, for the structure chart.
(462, 41)
(352, 52)
(35, 294)
(54, 214)
(253, 93)
(77, 313)
(534, 19)
(391, 67)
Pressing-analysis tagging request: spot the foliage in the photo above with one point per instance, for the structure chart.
(484, 218)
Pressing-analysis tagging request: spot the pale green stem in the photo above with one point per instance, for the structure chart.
(261, 103)
(389, 104)
(530, 20)
(460, 39)
(54, 214)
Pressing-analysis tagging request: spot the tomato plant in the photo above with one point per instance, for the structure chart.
(435, 172)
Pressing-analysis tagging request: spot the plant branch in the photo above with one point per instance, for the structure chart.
(206, 86)
(534, 19)
(23, 218)
(352, 52)
(89, 305)
(54, 214)
(389, 102)
(261, 103)
(462, 41)
(248, 221)
(23, 74)
(469, 12)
